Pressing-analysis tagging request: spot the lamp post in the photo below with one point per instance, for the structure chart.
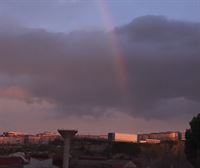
(67, 135)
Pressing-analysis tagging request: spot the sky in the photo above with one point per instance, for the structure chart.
(99, 66)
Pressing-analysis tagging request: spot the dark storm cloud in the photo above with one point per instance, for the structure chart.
(77, 71)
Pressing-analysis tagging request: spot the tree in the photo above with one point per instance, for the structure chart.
(192, 143)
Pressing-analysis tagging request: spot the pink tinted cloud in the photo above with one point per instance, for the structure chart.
(14, 92)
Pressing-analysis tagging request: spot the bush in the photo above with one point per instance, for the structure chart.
(131, 149)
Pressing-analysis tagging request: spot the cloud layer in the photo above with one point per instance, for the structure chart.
(77, 71)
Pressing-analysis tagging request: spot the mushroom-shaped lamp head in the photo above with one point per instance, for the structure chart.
(67, 133)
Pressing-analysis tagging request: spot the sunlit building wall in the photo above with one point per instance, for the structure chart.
(162, 136)
(121, 137)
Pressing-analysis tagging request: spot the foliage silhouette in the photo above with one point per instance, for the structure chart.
(192, 143)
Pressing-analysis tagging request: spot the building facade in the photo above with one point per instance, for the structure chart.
(162, 136)
(121, 137)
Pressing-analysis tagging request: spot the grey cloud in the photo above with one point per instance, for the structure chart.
(77, 71)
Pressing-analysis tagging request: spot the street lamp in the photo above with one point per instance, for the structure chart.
(67, 135)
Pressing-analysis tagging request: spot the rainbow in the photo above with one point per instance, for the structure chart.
(119, 60)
